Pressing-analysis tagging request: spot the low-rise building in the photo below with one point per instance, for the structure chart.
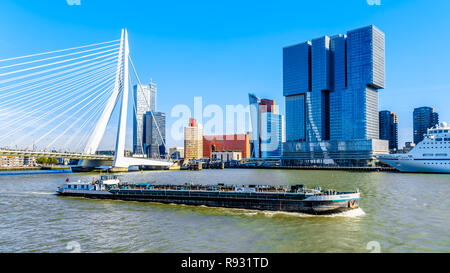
(237, 142)
(12, 161)
(29, 161)
(176, 152)
(226, 156)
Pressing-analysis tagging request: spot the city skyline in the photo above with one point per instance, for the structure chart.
(169, 65)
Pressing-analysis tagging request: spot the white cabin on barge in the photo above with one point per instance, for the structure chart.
(102, 186)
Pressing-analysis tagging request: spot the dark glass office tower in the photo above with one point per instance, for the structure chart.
(154, 134)
(331, 89)
(424, 118)
(389, 129)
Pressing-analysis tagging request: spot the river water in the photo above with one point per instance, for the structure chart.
(399, 213)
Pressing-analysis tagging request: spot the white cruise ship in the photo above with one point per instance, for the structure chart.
(429, 156)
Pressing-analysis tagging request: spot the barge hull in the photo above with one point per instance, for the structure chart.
(310, 207)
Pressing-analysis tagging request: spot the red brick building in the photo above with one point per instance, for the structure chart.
(240, 143)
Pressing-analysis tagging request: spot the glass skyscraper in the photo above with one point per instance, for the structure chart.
(331, 89)
(271, 135)
(389, 128)
(267, 128)
(154, 134)
(144, 101)
(424, 118)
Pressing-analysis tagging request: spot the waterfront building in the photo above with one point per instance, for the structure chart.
(29, 161)
(389, 129)
(226, 156)
(176, 152)
(267, 127)
(154, 134)
(144, 100)
(15, 162)
(424, 118)
(331, 89)
(237, 142)
(61, 161)
(193, 140)
(272, 137)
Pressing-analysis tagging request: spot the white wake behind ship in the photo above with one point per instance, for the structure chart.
(431, 155)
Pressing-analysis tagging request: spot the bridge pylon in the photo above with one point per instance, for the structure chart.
(119, 95)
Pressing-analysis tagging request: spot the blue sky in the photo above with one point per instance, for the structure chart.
(222, 50)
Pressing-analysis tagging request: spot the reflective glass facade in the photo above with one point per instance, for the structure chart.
(331, 87)
(267, 127)
(296, 69)
(154, 134)
(144, 101)
(295, 118)
(423, 119)
(271, 135)
(254, 121)
(389, 128)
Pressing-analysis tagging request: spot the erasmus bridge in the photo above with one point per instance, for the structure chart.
(63, 103)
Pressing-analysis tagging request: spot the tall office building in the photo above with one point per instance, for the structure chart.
(154, 134)
(331, 89)
(424, 118)
(271, 135)
(389, 129)
(193, 140)
(267, 128)
(144, 101)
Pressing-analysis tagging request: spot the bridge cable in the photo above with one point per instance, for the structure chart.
(54, 99)
(57, 57)
(91, 117)
(74, 81)
(92, 106)
(57, 108)
(54, 128)
(53, 69)
(56, 74)
(56, 51)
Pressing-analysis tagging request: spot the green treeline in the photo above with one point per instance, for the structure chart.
(47, 161)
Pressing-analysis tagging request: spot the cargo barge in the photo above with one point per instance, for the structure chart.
(297, 198)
